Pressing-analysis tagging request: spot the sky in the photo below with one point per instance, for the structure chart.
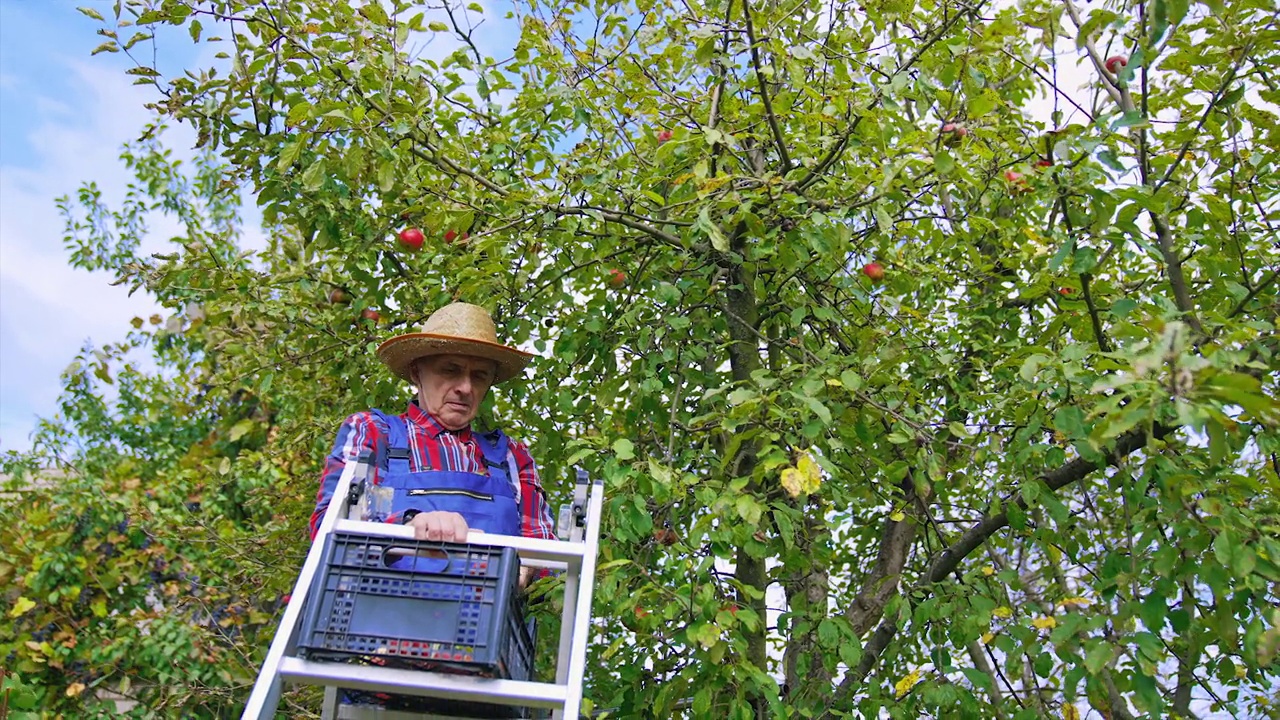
(64, 117)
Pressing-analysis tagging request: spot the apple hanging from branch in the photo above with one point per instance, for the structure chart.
(953, 134)
(411, 239)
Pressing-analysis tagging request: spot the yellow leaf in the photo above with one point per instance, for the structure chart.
(21, 606)
(834, 382)
(1076, 601)
(987, 638)
(75, 689)
(1069, 712)
(1002, 612)
(1045, 623)
(988, 570)
(903, 686)
(810, 474)
(791, 481)
(898, 516)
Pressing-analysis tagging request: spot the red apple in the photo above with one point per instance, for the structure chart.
(1065, 291)
(641, 612)
(1017, 180)
(663, 136)
(1045, 163)
(338, 297)
(665, 536)
(412, 238)
(370, 314)
(616, 278)
(953, 133)
(873, 270)
(1115, 63)
(451, 235)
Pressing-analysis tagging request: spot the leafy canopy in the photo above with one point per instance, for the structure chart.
(1030, 471)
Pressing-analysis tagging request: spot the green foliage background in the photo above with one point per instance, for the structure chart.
(1047, 439)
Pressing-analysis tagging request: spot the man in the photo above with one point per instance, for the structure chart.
(444, 477)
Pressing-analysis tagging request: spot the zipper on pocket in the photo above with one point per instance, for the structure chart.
(419, 492)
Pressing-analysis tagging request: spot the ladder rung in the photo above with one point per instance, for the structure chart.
(356, 712)
(529, 548)
(419, 682)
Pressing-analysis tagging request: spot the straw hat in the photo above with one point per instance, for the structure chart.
(455, 329)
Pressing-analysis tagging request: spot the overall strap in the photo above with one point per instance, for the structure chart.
(495, 446)
(397, 441)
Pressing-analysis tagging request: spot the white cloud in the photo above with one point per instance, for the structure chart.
(48, 310)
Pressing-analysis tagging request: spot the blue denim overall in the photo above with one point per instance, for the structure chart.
(486, 502)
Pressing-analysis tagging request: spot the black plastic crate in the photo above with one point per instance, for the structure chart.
(419, 605)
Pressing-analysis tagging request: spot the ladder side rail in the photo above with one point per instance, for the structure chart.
(582, 620)
(332, 705)
(576, 533)
(265, 697)
(424, 683)
(569, 611)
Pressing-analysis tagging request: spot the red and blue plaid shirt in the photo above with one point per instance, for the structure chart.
(432, 447)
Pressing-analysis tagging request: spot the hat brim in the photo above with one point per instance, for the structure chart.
(399, 352)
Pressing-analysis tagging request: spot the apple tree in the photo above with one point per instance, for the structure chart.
(927, 349)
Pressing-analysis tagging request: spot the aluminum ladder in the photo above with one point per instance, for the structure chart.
(574, 557)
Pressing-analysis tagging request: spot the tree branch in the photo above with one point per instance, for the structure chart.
(945, 562)
(778, 139)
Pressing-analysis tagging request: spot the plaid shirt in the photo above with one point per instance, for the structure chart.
(432, 447)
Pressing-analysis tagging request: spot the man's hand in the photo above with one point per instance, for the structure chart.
(440, 526)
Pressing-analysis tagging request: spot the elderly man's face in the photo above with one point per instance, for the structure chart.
(451, 387)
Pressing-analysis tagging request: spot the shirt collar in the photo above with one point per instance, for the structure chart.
(430, 424)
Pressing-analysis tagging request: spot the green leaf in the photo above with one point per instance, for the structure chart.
(943, 162)
(91, 13)
(313, 176)
(1099, 655)
(1108, 158)
(1131, 118)
(1235, 555)
(1031, 366)
(624, 449)
(828, 633)
(240, 429)
(374, 13)
(1122, 307)
(386, 176)
(289, 155)
(1060, 257)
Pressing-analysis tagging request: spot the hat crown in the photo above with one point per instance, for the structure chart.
(455, 329)
(464, 321)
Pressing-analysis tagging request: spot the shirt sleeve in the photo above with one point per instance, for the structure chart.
(535, 512)
(357, 435)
